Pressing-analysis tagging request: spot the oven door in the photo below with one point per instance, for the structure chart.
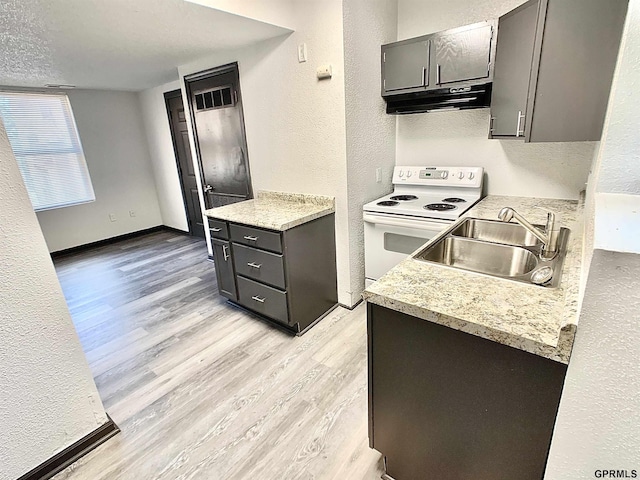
(388, 239)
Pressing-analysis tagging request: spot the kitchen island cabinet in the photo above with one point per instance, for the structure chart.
(275, 256)
(466, 370)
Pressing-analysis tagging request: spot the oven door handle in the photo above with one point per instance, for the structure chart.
(421, 224)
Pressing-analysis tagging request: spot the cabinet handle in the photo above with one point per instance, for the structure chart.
(424, 76)
(437, 74)
(250, 238)
(215, 230)
(225, 252)
(491, 120)
(520, 118)
(254, 265)
(258, 299)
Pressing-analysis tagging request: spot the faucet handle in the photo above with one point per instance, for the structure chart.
(551, 219)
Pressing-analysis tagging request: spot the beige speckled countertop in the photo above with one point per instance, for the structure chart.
(275, 210)
(535, 319)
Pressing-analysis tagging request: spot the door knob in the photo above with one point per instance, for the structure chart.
(207, 188)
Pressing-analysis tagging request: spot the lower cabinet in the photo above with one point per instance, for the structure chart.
(225, 274)
(263, 299)
(448, 405)
(287, 277)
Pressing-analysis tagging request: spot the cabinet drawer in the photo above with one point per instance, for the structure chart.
(266, 267)
(218, 229)
(254, 237)
(260, 298)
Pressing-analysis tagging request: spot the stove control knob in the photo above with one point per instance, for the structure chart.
(471, 175)
(409, 173)
(401, 173)
(444, 174)
(461, 175)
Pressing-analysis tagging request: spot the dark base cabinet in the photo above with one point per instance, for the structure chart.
(448, 405)
(288, 277)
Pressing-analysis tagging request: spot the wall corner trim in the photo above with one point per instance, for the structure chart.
(72, 453)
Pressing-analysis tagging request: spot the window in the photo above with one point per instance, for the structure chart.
(45, 142)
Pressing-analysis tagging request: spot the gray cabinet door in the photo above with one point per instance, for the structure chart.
(577, 46)
(463, 55)
(224, 268)
(405, 65)
(514, 54)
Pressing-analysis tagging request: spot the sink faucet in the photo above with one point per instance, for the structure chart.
(549, 237)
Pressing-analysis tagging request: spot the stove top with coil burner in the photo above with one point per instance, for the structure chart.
(440, 207)
(442, 193)
(403, 198)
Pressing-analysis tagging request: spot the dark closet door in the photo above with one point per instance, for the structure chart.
(216, 108)
(188, 182)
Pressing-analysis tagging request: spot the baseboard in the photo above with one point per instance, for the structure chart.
(167, 228)
(353, 306)
(74, 452)
(119, 238)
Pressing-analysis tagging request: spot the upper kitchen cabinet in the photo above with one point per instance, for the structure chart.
(437, 60)
(405, 65)
(554, 66)
(463, 54)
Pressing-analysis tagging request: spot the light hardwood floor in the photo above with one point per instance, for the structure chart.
(203, 390)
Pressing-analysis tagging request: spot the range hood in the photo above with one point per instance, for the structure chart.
(456, 98)
(452, 69)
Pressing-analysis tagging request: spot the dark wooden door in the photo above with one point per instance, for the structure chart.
(180, 135)
(216, 109)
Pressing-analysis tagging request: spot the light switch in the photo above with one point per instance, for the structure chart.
(378, 175)
(302, 52)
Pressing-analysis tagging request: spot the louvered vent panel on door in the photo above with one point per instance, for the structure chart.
(218, 98)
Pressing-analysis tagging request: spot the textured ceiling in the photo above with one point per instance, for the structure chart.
(113, 44)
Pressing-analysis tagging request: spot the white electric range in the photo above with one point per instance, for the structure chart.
(425, 200)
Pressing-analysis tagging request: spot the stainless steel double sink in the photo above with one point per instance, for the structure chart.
(498, 249)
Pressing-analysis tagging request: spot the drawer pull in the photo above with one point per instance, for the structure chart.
(258, 299)
(250, 238)
(215, 230)
(254, 265)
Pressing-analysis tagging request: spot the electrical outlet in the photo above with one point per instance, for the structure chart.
(378, 175)
(112, 217)
(132, 213)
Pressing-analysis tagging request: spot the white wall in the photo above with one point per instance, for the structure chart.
(370, 132)
(618, 167)
(163, 160)
(113, 138)
(48, 400)
(598, 423)
(553, 170)
(295, 124)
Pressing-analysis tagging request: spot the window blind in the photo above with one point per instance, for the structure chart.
(45, 142)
